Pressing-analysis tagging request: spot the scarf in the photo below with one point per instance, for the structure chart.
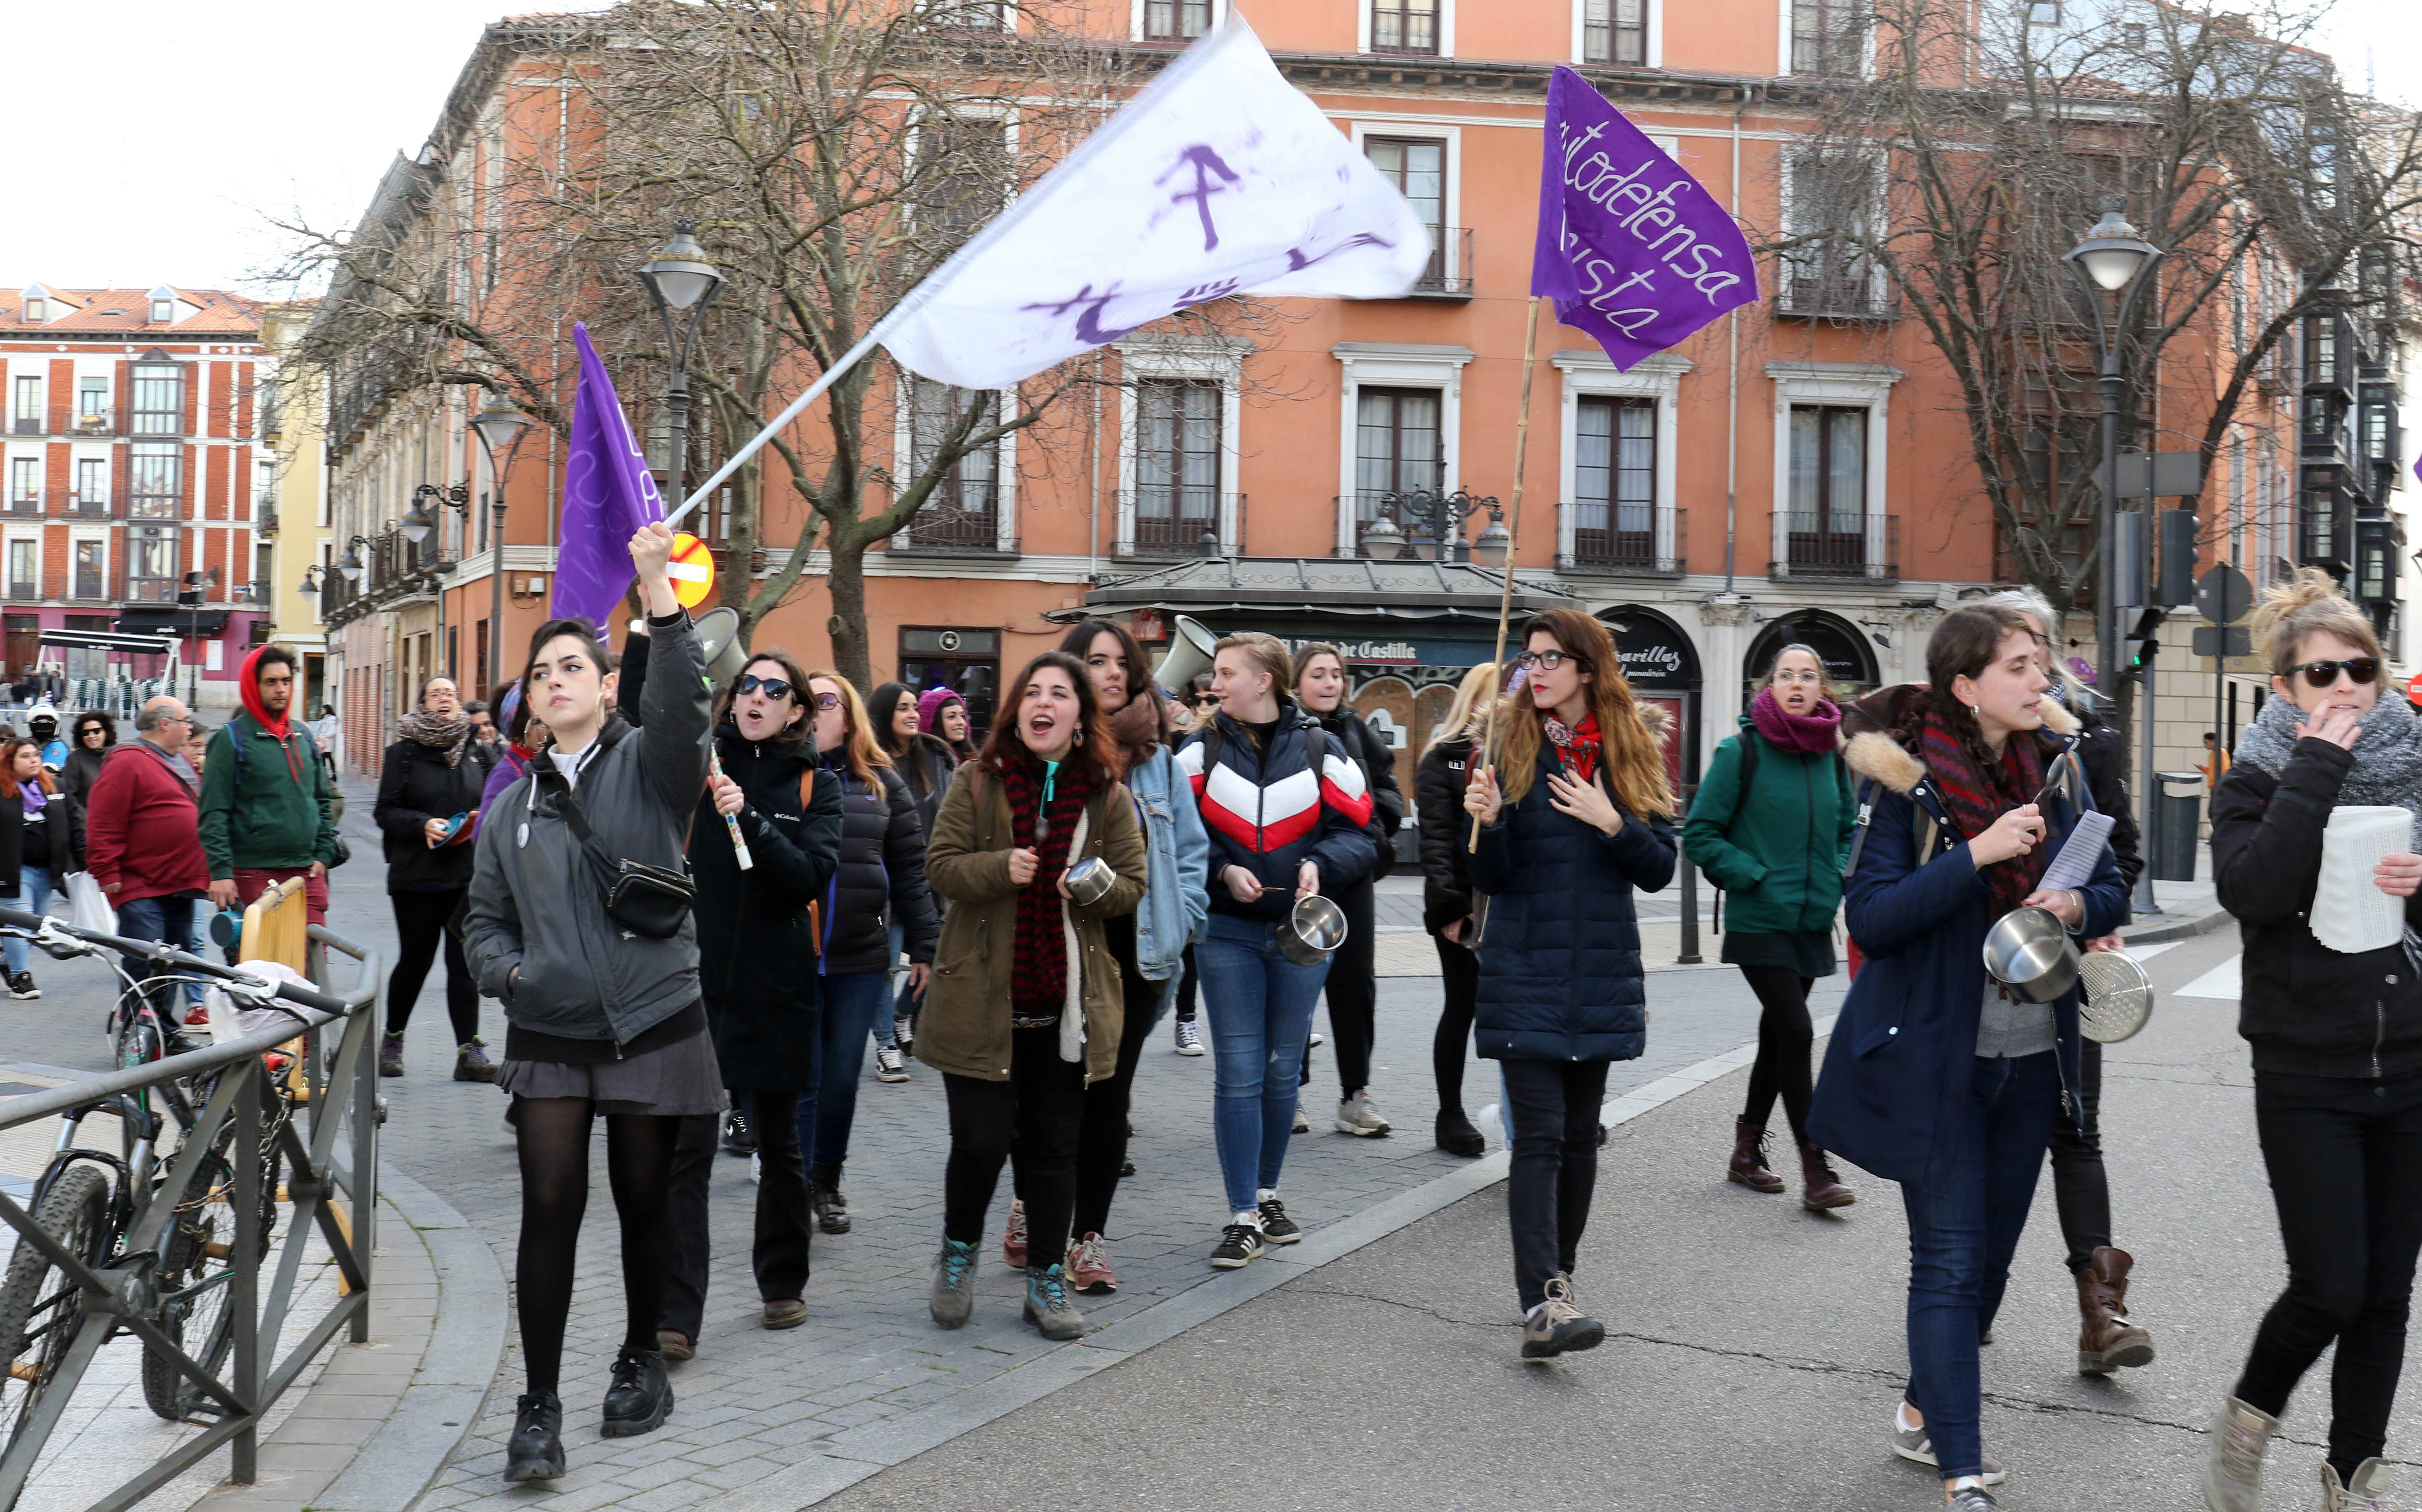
(1803, 735)
(1045, 807)
(1138, 726)
(2387, 755)
(247, 683)
(1974, 797)
(452, 736)
(1577, 748)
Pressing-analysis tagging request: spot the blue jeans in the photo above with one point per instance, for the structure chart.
(1259, 1005)
(1960, 1240)
(851, 1001)
(169, 920)
(884, 1033)
(33, 896)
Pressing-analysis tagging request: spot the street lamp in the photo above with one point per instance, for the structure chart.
(2116, 257)
(1438, 523)
(351, 566)
(499, 424)
(680, 278)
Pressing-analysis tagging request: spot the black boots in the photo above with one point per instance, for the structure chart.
(640, 1398)
(824, 1195)
(1457, 1136)
(536, 1449)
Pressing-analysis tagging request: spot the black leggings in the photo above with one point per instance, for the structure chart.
(1784, 1037)
(1102, 1135)
(1353, 992)
(2345, 1159)
(419, 926)
(1032, 1118)
(2079, 1184)
(553, 1138)
(1449, 1047)
(1186, 987)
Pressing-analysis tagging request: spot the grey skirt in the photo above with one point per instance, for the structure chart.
(671, 1081)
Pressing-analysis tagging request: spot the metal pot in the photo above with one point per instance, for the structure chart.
(1312, 929)
(2029, 952)
(1088, 880)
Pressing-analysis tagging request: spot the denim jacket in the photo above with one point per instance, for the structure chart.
(1178, 855)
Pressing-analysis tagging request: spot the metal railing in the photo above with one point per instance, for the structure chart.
(1870, 548)
(99, 423)
(105, 1295)
(25, 506)
(82, 507)
(1634, 552)
(1834, 290)
(1448, 273)
(23, 591)
(958, 532)
(1175, 523)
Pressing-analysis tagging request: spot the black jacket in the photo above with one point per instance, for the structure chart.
(2103, 750)
(416, 786)
(2307, 1010)
(55, 840)
(756, 947)
(926, 767)
(1446, 833)
(1379, 763)
(882, 864)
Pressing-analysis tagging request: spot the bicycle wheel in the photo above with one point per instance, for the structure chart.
(40, 1307)
(196, 1260)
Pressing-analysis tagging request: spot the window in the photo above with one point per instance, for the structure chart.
(23, 579)
(37, 311)
(28, 409)
(2320, 351)
(1615, 480)
(2043, 12)
(154, 484)
(92, 401)
(152, 564)
(1827, 37)
(1176, 20)
(2132, 33)
(91, 484)
(1404, 26)
(158, 400)
(965, 661)
(1828, 485)
(1831, 199)
(1396, 446)
(90, 570)
(163, 312)
(963, 508)
(1417, 166)
(25, 482)
(969, 183)
(1614, 31)
(1177, 465)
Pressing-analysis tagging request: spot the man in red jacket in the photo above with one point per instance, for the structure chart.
(143, 829)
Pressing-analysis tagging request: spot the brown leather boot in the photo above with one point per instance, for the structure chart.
(1824, 1190)
(2108, 1341)
(1749, 1159)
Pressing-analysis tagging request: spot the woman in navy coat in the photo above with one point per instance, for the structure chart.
(1584, 815)
(1935, 1077)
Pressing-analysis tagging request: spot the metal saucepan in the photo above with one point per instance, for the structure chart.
(2029, 952)
(2119, 996)
(1088, 880)
(1312, 929)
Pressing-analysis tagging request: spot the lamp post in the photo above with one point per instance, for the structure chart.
(1439, 520)
(499, 424)
(420, 523)
(680, 278)
(2116, 257)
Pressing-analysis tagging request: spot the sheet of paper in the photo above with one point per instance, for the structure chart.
(2079, 853)
(2350, 912)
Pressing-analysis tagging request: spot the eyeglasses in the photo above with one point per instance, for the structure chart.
(1545, 661)
(1799, 677)
(2325, 673)
(777, 689)
(827, 700)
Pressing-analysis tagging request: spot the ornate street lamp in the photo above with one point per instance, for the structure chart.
(1436, 533)
(680, 278)
(498, 425)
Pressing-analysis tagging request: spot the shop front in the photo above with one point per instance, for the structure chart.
(1849, 659)
(1661, 664)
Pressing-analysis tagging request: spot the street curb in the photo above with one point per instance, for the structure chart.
(854, 1454)
(2187, 928)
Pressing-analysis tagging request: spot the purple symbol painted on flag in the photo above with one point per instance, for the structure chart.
(1631, 248)
(608, 494)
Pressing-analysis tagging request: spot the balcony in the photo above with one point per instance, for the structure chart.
(21, 592)
(80, 507)
(150, 590)
(100, 423)
(940, 531)
(1448, 274)
(1171, 524)
(24, 506)
(1834, 290)
(1814, 549)
(1630, 552)
(26, 425)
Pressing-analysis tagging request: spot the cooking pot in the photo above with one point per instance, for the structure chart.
(1311, 929)
(1088, 880)
(2029, 952)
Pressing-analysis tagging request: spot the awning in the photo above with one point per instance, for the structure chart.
(169, 619)
(1347, 588)
(108, 640)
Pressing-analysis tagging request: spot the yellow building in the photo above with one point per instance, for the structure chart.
(294, 514)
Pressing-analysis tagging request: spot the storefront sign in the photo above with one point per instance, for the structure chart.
(1655, 653)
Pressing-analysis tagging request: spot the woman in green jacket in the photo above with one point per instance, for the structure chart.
(1772, 823)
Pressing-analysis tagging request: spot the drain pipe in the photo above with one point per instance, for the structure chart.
(1732, 371)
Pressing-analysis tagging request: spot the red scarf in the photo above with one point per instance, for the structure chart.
(1975, 796)
(1577, 748)
(1038, 974)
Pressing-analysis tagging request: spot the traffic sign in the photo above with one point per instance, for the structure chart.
(2414, 689)
(2223, 595)
(2208, 641)
(692, 569)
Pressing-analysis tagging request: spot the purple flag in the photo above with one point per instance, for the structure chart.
(1631, 248)
(608, 494)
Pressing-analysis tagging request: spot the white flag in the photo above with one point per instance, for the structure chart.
(1219, 178)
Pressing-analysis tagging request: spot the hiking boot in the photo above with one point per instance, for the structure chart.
(1047, 1306)
(1359, 1116)
(738, 1138)
(785, 1315)
(1457, 1136)
(889, 1065)
(471, 1062)
(391, 1055)
(1820, 1189)
(2367, 1493)
(1240, 1244)
(953, 1299)
(675, 1345)
(1748, 1166)
(1917, 1447)
(638, 1398)
(22, 987)
(1276, 1228)
(1556, 1325)
(2108, 1341)
(2232, 1477)
(904, 1030)
(831, 1207)
(1013, 1239)
(1190, 1039)
(535, 1452)
(1089, 1267)
(1302, 1120)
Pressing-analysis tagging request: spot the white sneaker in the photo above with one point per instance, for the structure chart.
(1302, 1119)
(1359, 1115)
(1189, 1041)
(756, 1170)
(888, 1064)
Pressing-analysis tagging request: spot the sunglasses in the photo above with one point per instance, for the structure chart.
(827, 700)
(2362, 669)
(772, 687)
(1545, 661)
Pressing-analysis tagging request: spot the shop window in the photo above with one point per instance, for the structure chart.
(967, 662)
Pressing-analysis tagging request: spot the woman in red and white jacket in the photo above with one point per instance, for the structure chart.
(1285, 808)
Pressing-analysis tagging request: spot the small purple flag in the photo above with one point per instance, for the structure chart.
(1631, 248)
(608, 494)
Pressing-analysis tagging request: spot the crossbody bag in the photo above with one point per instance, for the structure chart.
(649, 900)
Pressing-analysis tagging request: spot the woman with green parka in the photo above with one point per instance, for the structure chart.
(1771, 824)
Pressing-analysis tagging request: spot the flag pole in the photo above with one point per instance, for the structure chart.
(1513, 538)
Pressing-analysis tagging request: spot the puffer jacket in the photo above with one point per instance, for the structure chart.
(535, 903)
(1270, 811)
(1560, 973)
(882, 867)
(1438, 783)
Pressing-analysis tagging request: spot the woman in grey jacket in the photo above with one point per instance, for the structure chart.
(601, 1017)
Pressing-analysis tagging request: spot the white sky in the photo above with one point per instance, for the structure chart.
(206, 116)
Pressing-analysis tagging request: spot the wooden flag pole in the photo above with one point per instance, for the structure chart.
(1513, 538)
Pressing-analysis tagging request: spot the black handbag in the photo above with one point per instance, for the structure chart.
(646, 900)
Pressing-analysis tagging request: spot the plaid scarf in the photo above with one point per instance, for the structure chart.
(1038, 975)
(1974, 797)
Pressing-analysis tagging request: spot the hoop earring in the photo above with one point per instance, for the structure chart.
(1971, 711)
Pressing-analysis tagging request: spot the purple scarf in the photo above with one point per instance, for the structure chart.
(1805, 734)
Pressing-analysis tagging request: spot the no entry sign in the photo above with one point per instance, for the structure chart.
(692, 569)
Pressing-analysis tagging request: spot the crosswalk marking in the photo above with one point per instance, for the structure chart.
(2222, 981)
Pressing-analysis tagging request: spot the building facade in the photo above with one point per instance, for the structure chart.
(294, 519)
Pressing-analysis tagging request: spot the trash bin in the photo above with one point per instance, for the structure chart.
(2178, 822)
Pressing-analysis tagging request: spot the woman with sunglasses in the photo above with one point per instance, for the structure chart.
(94, 733)
(882, 874)
(1581, 817)
(2336, 1041)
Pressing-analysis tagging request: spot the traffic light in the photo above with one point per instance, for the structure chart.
(2140, 636)
(2177, 583)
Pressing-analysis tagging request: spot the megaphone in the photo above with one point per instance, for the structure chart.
(1188, 656)
(719, 646)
